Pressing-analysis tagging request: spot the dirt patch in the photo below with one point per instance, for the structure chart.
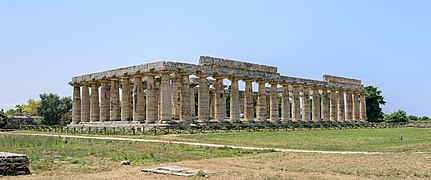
(280, 166)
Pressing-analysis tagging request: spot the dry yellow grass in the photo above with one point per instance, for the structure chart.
(278, 166)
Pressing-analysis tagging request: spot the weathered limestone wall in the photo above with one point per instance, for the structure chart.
(13, 164)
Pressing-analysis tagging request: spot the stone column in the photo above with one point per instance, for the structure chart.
(176, 94)
(315, 106)
(219, 100)
(285, 104)
(349, 106)
(273, 113)
(295, 103)
(306, 104)
(165, 98)
(325, 105)
(104, 101)
(185, 106)
(333, 113)
(85, 103)
(151, 103)
(126, 105)
(212, 105)
(355, 114)
(203, 99)
(241, 103)
(138, 99)
(248, 101)
(192, 102)
(115, 100)
(76, 106)
(261, 102)
(363, 107)
(341, 111)
(94, 106)
(234, 101)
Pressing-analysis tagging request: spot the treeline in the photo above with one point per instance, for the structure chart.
(53, 109)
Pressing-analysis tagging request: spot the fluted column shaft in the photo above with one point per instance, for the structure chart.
(138, 99)
(126, 101)
(85, 104)
(219, 101)
(104, 101)
(349, 106)
(355, 113)
(212, 105)
(115, 100)
(341, 109)
(234, 101)
(94, 106)
(273, 113)
(333, 106)
(203, 100)
(363, 107)
(306, 104)
(296, 104)
(261, 102)
(325, 105)
(285, 104)
(185, 106)
(176, 96)
(165, 98)
(192, 102)
(151, 101)
(248, 101)
(76, 105)
(315, 106)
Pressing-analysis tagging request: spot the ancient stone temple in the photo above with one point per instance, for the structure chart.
(167, 92)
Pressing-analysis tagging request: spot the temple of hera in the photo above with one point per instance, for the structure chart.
(167, 92)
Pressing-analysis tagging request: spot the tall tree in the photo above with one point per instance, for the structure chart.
(3, 118)
(54, 110)
(374, 99)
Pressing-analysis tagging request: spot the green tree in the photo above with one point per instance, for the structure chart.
(397, 116)
(3, 118)
(374, 99)
(30, 107)
(54, 110)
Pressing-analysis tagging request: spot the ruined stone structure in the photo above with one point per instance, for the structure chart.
(164, 93)
(13, 164)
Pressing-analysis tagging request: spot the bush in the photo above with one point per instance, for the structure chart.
(398, 116)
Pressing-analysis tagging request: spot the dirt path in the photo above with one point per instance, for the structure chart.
(188, 143)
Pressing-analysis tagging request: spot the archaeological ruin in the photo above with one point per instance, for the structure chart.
(172, 93)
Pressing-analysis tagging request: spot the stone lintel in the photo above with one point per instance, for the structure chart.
(341, 80)
(235, 64)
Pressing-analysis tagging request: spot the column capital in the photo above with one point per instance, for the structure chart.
(261, 81)
(248, 80)
(115, 79)
(94, 82)
(138, 75)
(165, 72)
(75, 84)
(124, 77)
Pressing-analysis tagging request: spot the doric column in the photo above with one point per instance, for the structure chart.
(151, 101)
(94, 106)
(273, 113)
(104, 101)
(261, 102)
(241, 102)
(115, 100)
(248, 101)
(363, 107)
(126, 101)
(340, 100)
(333, 106)
(219, 100)
(325, 105)
(176, 94)
(165, 98)
(306, 104)
(85, 103)
(185, 106)
(234, 101)
(192, 102)
(76, 106)
(203, 99)
(285, 104)
(349, 106)
(138, 99)
(315, 105)
(212, 105)
(355, 113)
(296, 103)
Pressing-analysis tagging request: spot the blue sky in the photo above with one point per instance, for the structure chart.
(43, 44)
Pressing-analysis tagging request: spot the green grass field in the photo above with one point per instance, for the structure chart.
(371, 140)
(51, 153)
